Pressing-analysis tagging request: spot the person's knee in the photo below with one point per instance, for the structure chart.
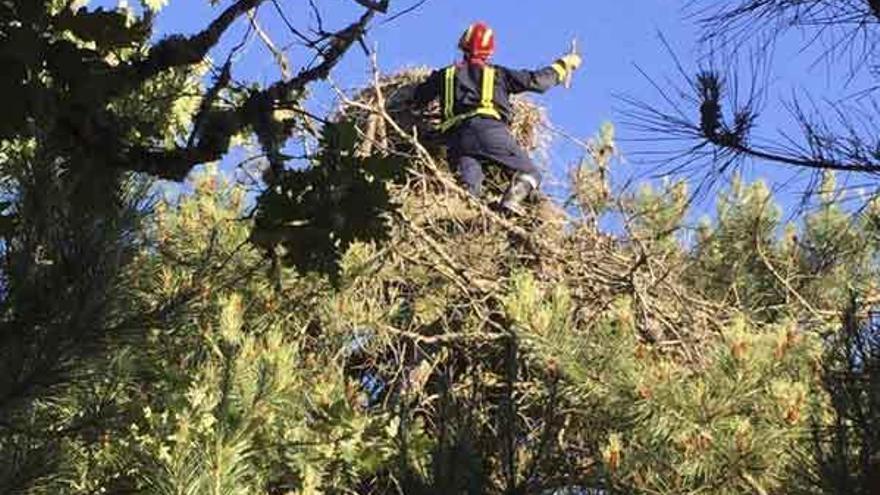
(471, 173)
(528, 172)
(533, 178)
(524, 167)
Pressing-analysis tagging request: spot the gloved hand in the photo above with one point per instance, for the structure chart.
(571, 61)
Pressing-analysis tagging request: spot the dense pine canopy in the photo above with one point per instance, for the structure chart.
(352, 321)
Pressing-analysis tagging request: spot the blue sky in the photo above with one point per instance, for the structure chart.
(615, 36)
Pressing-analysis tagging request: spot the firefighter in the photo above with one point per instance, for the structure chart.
(475, 101)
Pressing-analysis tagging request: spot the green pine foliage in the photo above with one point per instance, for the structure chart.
(445, 359)
(657, 425)
(735, 257)
(363, 326)
(243, 396)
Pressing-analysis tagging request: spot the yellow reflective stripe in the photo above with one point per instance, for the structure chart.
(486, 112)
(487, 100)
(482, 112)
(449, 94)
(488, 88)
(561, 71)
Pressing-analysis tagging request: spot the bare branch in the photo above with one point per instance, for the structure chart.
(280, 57)
(379, 6)
(177, 51)
(218, 126)
(844, 27)
(340, 42)
(705, 126)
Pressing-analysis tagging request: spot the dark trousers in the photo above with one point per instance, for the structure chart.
(480, 140)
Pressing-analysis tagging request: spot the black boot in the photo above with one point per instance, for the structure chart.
(519, 190)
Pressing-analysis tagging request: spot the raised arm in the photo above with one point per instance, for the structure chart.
(539, 81)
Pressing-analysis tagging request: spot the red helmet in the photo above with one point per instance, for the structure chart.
(478, 41)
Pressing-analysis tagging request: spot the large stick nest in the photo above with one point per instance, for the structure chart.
(469, 250)
(432, 300)
(528, 120)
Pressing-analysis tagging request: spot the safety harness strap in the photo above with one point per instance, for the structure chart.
(487, 97)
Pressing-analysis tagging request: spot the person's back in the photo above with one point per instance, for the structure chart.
(475, 101)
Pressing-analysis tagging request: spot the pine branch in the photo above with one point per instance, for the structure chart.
(215, 127)
(177, 51)
(814, 163)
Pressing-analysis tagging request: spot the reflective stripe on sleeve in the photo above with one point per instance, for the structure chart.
(560, 69)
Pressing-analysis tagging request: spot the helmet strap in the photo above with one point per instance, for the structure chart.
(472, 59)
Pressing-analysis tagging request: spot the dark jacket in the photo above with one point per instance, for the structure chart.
(468, 86)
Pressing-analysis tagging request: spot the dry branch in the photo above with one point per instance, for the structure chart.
(443, 228)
